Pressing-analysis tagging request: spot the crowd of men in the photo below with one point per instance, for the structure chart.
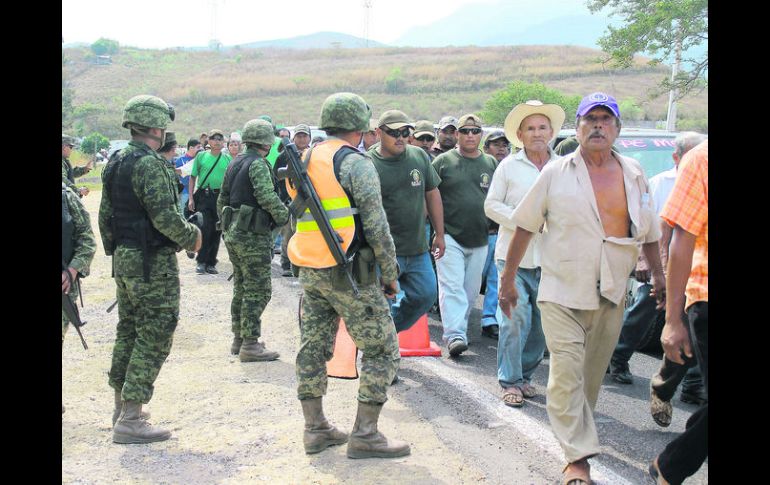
(423, 218)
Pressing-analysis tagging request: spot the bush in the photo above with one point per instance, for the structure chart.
(94, 142)
(394, 83)
(105, 47)
(500, 104)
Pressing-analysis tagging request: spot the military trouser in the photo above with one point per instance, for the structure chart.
(287, 231)
(73, 294)
(148, 314)
(250, 255)
(369, 323)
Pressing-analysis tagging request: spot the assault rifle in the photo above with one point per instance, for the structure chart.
(71, 310)
(307, 198)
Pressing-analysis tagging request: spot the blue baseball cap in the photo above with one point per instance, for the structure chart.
(597, 99)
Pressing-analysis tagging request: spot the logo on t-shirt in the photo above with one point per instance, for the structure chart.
(484, 181)
(416, 177)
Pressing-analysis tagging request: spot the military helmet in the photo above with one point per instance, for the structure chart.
(258, 131)
(148, 111)
(345, 111)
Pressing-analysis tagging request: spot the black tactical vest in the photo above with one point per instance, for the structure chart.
(237, 178)
(67, 230)
(130, 225)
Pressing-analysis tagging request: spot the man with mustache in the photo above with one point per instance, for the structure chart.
(447, 135)
(409, 189)
(597, 209)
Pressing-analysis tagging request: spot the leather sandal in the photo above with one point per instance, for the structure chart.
(513, 397)
(528, 390)
(577, 473)
(660, 410)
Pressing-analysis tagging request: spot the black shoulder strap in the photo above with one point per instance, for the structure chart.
(338, 157)
(210, 170)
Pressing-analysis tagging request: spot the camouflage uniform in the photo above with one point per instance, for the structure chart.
(250, 252)
(68, 172)
(148, 311)
(84, 245)
(367, 317)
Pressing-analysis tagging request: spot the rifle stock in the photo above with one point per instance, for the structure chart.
(307, 198)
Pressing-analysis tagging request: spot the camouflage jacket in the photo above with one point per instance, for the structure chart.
(84, 242)
(264, 191)
(66, 168)
(156, 189)
(359, 177)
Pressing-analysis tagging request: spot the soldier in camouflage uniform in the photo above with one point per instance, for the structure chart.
(78, 246)
(68, 172)
(142, 229)
(249, 209)
(328, 295)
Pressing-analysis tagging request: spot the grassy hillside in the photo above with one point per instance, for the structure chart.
(225, 89)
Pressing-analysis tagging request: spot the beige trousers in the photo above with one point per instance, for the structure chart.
(581, 343)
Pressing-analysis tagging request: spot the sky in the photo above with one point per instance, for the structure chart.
(155, 24)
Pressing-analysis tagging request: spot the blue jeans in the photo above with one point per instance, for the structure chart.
(636, 321)
(183, 198)
(459, 282)
(418, 284)
(489, 309)
(521, 343)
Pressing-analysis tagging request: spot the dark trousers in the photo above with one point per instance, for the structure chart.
(206, 203)
(685, 454)
(636, 322)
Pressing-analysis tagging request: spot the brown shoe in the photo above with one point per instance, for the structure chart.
(577, 473)
(255, 351)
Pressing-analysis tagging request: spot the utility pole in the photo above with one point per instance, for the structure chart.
(367, 12)
(671, 116)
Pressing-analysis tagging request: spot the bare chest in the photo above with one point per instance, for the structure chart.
(610, 194)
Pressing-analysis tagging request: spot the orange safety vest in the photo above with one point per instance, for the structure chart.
(307, 247)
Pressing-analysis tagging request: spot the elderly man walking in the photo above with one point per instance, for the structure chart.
(465, 174)
(531, 126)
(597, 209)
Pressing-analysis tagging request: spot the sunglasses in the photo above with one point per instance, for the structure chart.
(403, 132)
(425, 138)
(467, 131)
(216, 138)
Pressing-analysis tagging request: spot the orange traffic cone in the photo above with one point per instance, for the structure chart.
(415, 341)
(343, 363)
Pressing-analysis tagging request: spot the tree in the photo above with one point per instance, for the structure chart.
(104, 47)
(501, 103)
(94, 142)
(658, 27)
(66, 93)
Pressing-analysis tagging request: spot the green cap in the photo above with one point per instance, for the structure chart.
(302, 128)
(394, 119)
(423, 127)
(216, 132)
(469, 120)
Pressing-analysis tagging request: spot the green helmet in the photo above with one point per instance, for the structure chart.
(148, 111)
(345, 111)
(258, 131)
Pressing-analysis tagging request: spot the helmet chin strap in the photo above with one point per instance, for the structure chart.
(146, 133)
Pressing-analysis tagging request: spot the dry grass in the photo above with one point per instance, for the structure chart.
(227, 89)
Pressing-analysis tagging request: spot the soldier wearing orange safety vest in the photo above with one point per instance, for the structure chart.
(348, 187)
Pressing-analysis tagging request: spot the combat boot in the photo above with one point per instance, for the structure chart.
(131, 428)
(366, 442)
(119, 407)
(319, 434)
(235, 347)
(254, 351)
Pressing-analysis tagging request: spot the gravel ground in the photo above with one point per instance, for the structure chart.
(231, 422)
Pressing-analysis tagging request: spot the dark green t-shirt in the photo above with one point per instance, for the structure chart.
(404, 180)
(464, 185)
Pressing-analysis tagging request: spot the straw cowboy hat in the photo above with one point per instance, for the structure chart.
(553, 112)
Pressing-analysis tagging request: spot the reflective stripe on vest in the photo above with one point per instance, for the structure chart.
(307, 248)
(342, 217)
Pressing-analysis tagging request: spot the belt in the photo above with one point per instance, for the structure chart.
(208, 190)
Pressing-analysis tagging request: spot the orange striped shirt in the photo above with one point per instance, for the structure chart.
(687, 207)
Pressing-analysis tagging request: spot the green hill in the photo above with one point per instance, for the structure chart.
(225, 89)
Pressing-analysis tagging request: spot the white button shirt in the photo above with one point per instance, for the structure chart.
(513, 178)
(579, 262)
